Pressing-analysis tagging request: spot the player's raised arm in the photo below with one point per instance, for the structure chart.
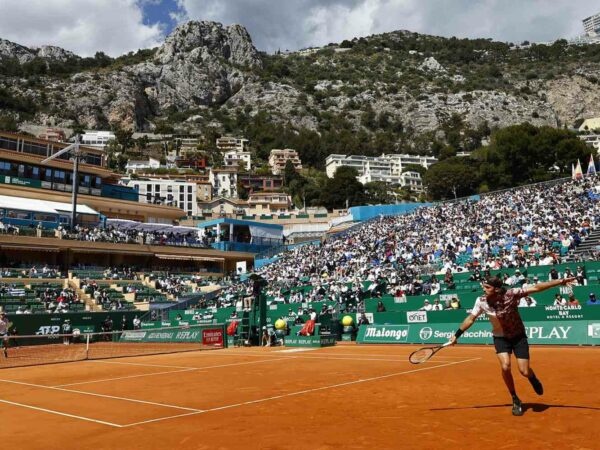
(550, 284)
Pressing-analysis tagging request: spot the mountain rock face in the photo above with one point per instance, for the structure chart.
(205, 65)
(23, 54)
(200, 64)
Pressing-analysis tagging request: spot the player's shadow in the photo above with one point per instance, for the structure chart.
(534, 407)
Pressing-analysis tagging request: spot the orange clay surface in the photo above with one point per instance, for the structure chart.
(344, 397)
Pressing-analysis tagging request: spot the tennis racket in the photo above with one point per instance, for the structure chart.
(423, 354)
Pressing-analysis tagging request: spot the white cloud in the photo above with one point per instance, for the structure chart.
(81, 26)
(295, 24)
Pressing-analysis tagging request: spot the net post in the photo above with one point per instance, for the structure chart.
(87, 345)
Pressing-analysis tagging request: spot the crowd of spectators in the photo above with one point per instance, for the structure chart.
(30, 272)
(132, 236)
(528, 226)
(59, 300)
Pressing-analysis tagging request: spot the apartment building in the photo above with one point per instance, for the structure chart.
(179, 193)
(228, 143)
(278, 158)
(269, 203)
(135, 166)
(97, 139)
(224, 182)
(234, 158)
(591, 25)
(390, 165)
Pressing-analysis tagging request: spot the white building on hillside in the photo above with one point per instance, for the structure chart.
(387, 168)
(392, 164)
(358, 162)
(178, 193)
(227, 143)
(235, 158)
(224, 182)
(133, 166)
(97, 139)
(591, 25)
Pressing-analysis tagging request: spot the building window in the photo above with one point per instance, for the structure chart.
(189, 207)
(13, 214)
(190, 197)
(189, 189)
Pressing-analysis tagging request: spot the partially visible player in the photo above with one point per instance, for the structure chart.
(4, 327)
(501, 305)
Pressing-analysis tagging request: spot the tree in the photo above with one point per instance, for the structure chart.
(343, 190)
(242, 191)
(289, 173)
(142, 143)
(123, 137)
(378, 193)
(415, 168)
(452, 178)
(522, 154)
(8, 123)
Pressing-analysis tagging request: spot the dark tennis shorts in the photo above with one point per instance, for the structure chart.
(518, 345)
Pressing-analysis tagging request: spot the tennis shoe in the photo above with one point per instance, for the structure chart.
(537, 385)
(517, 407)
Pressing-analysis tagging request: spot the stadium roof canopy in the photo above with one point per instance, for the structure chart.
(42, 206)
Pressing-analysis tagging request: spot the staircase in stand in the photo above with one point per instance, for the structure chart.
(591, 243)
(90, 304)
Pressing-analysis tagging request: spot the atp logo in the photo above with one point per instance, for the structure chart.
(425, 333)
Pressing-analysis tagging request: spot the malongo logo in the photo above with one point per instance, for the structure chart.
(398, 333)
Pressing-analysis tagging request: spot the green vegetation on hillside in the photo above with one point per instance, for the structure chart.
(10, 67)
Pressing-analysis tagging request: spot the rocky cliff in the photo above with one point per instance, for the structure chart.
(205, 69)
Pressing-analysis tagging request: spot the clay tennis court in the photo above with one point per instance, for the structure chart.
(348, 396)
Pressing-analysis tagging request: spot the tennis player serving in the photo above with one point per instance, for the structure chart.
(501, 306)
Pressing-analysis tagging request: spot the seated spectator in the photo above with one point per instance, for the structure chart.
(380, 306)
(437, 306)
(527, 302)
(559, 300)
(592, 300)
(363, 320)
(454, 303)
(426, 306)
(572, 300)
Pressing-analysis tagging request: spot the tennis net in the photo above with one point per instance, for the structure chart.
(56, 348)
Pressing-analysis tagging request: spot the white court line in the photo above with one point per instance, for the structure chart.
(51, 411)
(138, 364)
(307, 391)
(160, 419)
(125, 377)
(73, 391)
(189, 369)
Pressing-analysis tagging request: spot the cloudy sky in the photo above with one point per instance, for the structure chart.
(119, 26)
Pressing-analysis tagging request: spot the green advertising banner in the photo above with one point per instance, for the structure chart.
(21, 181)
(536, 314)
(49, 324)
(548, 332)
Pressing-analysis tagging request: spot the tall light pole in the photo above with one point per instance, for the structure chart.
(76, 152)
